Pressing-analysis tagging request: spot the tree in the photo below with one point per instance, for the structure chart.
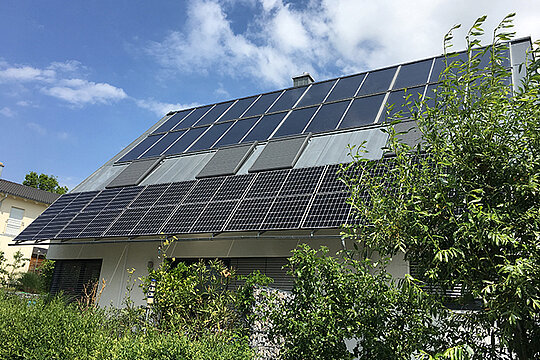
(44, 182)
(464, 205)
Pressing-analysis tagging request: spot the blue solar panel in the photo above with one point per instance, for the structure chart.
(172, 121)
(363, 111)
(183, 143)
(288, 99)
(346, 87)
(296, 122)
(236, 132)
(210, 137)
(262, 104)
(265, 127)
(328, 117)
(377, 81)
(237, 109)
(163, 144)
(316, 93)
(214, 114)
(141, 147)
(413, 74)
(193, 117)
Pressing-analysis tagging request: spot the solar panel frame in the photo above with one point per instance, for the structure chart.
(185, 141)
(211, 136)
(288, 99)
(163, 144)
(236, 132)
(193, 117)
(149, 196)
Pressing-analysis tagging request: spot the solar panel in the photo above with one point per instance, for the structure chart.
(77, 225)
(226, 161)
(211, 136)
(35, 227)
(153, 220)
(125, 197)
(175, 193)
(363, 111)
(185, 141)
(280, 153)
(288, 99)
(331, 182)
(377, 81)
(211, 116)
(250, 214)
(234, 187)
(55, 225)
(134, 173)
(214, 216)
(149, 195)
(172, 121)
(328, 117)
(267, 184)
(80, 202)
(238, 109)
(193, 117)
(236, 132)
(102, 200)
(402, 100)
(141, 147)
(295, 122)
(316, 93)
(328, 210)
(100, 223)
(163, 144)
(302, 181)
(413, 74)
(346, 87)
(265, 127)
(126, 222)
(204, 190)
(183, 218)
(262, 104)
(286, 212)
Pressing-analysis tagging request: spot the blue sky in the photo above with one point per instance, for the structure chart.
(79, 80)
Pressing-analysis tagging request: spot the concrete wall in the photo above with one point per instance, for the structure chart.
(32, 209)
(121, 257)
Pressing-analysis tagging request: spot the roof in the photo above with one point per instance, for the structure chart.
(260, 163)
(27, 192)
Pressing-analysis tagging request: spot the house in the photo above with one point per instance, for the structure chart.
(244, 180)
(19, 206)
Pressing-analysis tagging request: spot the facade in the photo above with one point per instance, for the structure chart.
(245, 180)
(19, 206)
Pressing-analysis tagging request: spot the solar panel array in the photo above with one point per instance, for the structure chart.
(341, 103)
(307, 198)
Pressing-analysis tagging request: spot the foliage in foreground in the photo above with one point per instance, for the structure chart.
(468, 212)
(50, 329)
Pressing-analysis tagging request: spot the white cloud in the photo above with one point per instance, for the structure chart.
(283, 39)
(35, 127)
(160, 108)
(7, 112)
(79, 92)
(26, 74)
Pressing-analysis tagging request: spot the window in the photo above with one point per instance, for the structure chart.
(13, 224)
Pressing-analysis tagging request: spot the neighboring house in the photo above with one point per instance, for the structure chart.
(244, 180)
(19, 206)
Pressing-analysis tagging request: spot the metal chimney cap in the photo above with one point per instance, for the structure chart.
(303, 79)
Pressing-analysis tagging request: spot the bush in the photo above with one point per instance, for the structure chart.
(31, 282)
(52, 329)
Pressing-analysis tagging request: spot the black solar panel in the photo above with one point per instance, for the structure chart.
(149, 195)
(402, 101)
(302, 181)
(100, 223)
(250, 214)
(363, 111)
(55, 225)
(141, 147)
(288, 99)
(236, 132)
(413, 74)
(77, 224)
(163, 144)
(238, 109)
(267, 184)
(214, 114)
(126, 222)
(193, 117)
(214, 216)
(265, 127)
(185, 141)
(377, 81)
(124, 197)
(183, 218)
(328, 210)
(331, 182)
(286, 212)
(211, 136)
(80, 201)
(102, 200)
(204, 190)
(316, 93)
(35, 227)
(153, 220)
(328, 117)
(234, 187)
(175, 193)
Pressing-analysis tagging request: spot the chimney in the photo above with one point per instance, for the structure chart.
(303, 79)
(1, 168)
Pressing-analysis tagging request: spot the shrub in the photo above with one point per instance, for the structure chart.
(31, 282)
